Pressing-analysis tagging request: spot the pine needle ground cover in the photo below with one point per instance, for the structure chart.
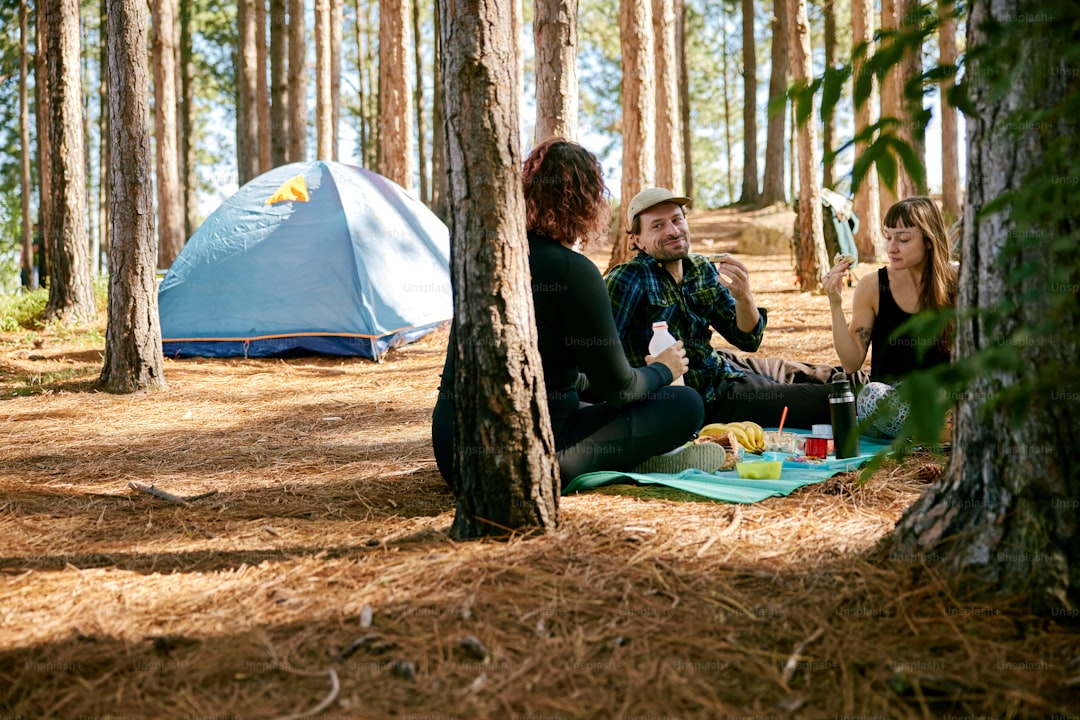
(319, 580)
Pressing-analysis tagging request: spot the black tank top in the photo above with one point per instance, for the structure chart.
(894, 357)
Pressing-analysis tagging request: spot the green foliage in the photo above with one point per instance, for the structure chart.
(22, 310)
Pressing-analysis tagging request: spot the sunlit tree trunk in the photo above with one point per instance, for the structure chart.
(638, 112)
(555, 40)
(440, 189)
(913, 128)
(337, 21)
(750, 192)
(133, 359)
(247, 111)
(508, 479)
(772, 186)
(810, 251)
(28, 280)
(297, 147)
(279, 83)
(421, 116)
(262, 88)
(395, 104)
(865, 205)
(1003, 517)
(950, 161)
(324, 129)
(71, 291)
(43, 114)
(684, 100)
(725, 91)
(170, 211)
(668, 139)
(828, 130)
(189, 177)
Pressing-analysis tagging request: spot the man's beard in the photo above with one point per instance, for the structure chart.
(666, 254)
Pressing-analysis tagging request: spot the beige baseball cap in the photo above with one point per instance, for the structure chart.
(649, 197)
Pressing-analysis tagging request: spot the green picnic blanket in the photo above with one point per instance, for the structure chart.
(728, 486)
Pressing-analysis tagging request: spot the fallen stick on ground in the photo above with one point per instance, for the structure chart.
(168, 496)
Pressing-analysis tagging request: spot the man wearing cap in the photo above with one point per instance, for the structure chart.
(694, 296)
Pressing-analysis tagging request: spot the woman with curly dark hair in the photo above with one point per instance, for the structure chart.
(605, 414)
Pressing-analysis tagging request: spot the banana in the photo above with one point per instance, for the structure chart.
(759, 433)
(713, 429)
(740, 434)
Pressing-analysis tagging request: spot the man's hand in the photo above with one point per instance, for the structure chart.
(734, 276)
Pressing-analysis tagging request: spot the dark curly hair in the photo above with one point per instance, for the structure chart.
(565, 195)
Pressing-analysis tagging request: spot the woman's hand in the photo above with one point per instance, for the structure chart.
(833, 282)
(673, 357)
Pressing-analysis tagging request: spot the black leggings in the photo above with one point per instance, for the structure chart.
(600, 437)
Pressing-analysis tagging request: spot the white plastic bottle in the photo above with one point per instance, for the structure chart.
(661, 340)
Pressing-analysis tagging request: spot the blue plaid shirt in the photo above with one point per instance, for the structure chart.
(643, 292)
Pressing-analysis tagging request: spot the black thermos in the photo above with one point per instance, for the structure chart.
(845, 422)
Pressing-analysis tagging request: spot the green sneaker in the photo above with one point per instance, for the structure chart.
(708, 457)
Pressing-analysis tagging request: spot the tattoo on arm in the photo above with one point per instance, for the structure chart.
(864, 336)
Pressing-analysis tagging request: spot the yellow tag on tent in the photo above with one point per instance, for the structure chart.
(292, 189)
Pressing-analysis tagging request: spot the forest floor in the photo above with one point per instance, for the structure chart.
(322, 568)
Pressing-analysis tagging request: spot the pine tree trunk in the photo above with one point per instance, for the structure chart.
(337, 21)
(421, 115)
(506, 459)
(262, 88)
(668, 139)
(133, 359)
(892, 95)
(297, 107)
(169, 206)
(189, 176)
(638, 113)
(28, 280)
(725, 92)
(772, 186)
(950, 161)
(323, 99)
(395, 105)
(913, 129)
(247, 111)
(810, 252)
(684, 100)
(828, 131)
(750, 194)
(440, 188)
(1004, 515)
(865, 205)
(71, 291)
(104, 161)
(279, 83)
(44, 117)
(555, 40)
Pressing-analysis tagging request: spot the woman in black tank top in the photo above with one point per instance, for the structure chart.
(918, 277)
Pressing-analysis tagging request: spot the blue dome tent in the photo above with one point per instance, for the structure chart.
(314, 257)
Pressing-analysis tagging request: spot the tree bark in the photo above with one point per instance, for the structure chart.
(324, 131)
(103, 197)
(262, 88)
(555, 40)
(44, 118)
(28, 280)
(638, 113)
(506, 452)
(363, 124)
(297, 147)
(170, 217)
(868, 239)
(891, 99)
(772, 186)
(440, 188)
(247, 111)
(810, 250)
(913, 128)
(950, 161)
(337, 21)
(71, 290)
(133, 360)
(668, 139)
(421, 116)
(395, 105)
(750, 193)
(279, 83)
(1003, 518)
(189, 175)
(725, 91)
(684, 100)
(828, 130)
